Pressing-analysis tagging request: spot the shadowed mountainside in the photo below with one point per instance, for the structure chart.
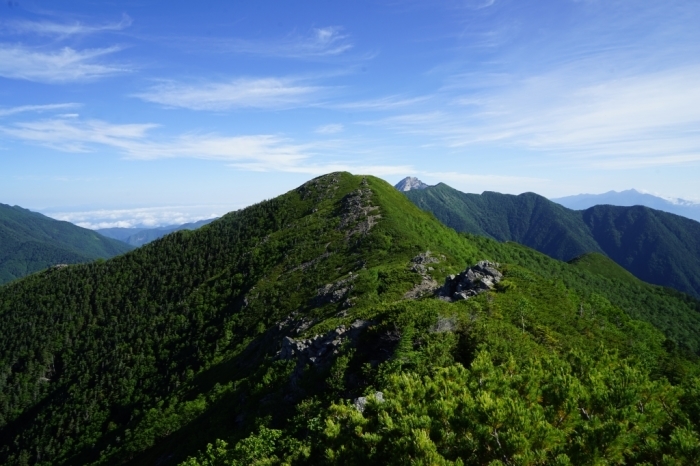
(657, 247)
(30, 242)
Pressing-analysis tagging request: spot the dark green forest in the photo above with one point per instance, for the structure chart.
(657, 247)
(30, 242)
(182, 352)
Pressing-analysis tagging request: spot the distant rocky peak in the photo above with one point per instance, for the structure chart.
(409, 183)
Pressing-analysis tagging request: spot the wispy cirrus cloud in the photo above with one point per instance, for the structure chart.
(236, 93)
(640, 120)
(258, 152)
(36, 108)
(382, 103)
(63, 30)
(322, 42)
(332, 128)
(71, 135)
(60, 66)
(135, 142)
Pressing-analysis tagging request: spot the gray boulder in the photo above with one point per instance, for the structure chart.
(474, 280)
(361, 402)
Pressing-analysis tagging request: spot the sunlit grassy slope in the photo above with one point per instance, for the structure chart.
(149, 357)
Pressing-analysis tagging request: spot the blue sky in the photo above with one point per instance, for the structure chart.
(126, 113)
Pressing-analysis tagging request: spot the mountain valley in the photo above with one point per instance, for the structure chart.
(140, 236)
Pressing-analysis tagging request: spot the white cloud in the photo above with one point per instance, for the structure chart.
(35, 108)
(64, 65)
(61, 30)
(322, 42)
(260, 152)
(142, 217)
(642, 120)
(242, 92)
(134, 141)
(69, 135)
(333, 128)
(383, 103)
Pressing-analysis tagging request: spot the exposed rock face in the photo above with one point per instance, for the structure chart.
(319, 349)
(473, 281)
(360, 402)
(410, 183)
(427, 284)
(335, 292)
(358, 214)
(320, 188)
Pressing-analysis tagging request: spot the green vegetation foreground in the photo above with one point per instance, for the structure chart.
(193, 347)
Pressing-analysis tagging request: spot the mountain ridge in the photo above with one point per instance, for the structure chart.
(629, 198)
(30, 242)
(269, 334)
(658, 247)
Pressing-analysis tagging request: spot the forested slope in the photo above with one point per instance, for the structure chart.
(30, 242)
(657, 247)
(262, 328)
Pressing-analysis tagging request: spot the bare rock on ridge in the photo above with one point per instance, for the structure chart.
(409, 183)
(473, 281)
(420, 266)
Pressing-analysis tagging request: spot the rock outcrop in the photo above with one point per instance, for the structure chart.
(409, 183)
(421, 266)
(335, 292)
(474, 280)
(320, 349)
(358, 214)
(361, 402)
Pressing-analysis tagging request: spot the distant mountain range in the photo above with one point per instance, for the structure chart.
(655, 246)
(30, 241)
(629, 198)
(140, 236)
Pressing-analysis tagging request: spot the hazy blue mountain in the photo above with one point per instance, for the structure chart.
(629, 198)
(140, 236)
(30, 241)
(656, 246)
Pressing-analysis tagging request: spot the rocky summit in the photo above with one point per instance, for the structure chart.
(410, 183)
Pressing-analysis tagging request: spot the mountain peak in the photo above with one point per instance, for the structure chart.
(409, 183)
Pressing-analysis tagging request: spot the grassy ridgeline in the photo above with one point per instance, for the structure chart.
(151, 356)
